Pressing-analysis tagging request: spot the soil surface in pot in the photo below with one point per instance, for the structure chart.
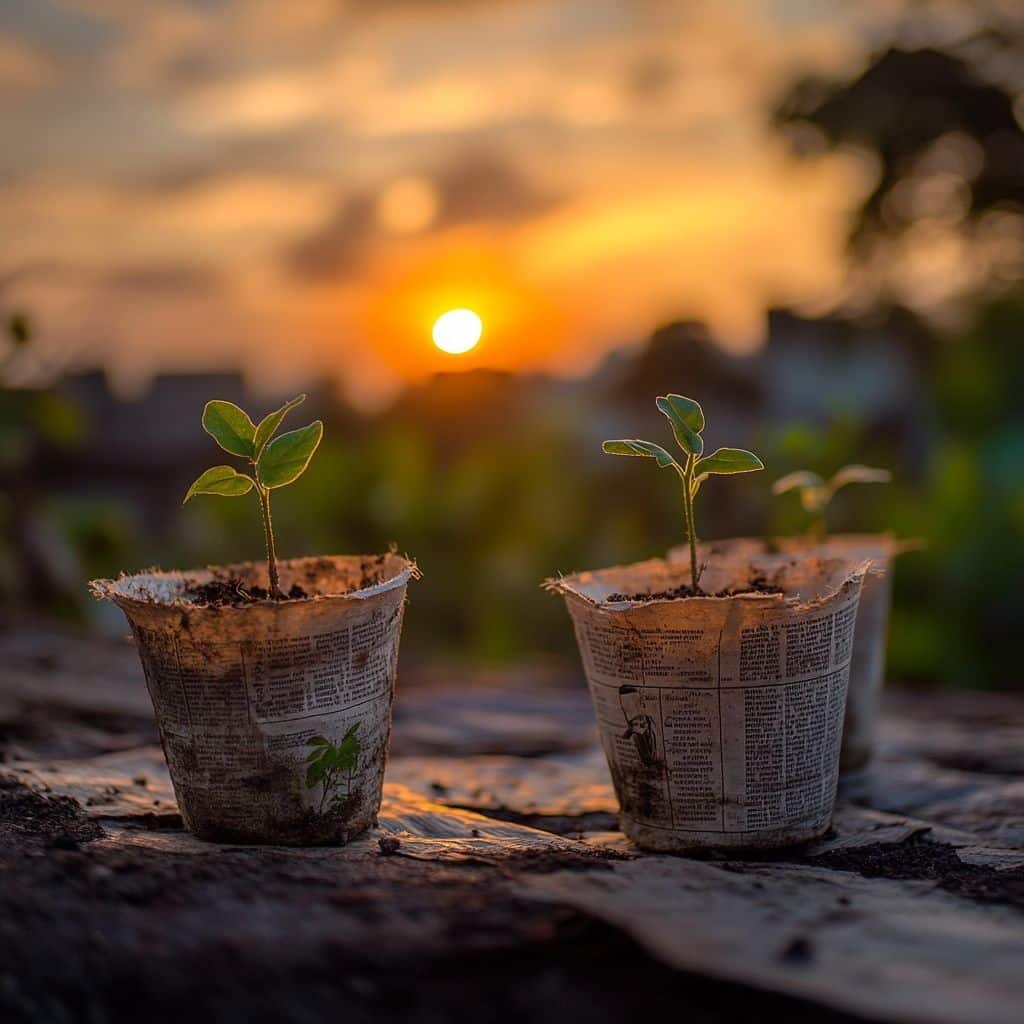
(231, 590)
(757, 584)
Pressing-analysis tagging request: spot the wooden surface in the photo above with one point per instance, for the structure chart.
(497, 883)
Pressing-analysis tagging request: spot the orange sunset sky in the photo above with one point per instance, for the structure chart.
(304, 187)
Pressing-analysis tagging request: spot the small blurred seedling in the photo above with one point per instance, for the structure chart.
(816, 493)
(18, 329)
(274, 461)
(327, 762)
(687, 419)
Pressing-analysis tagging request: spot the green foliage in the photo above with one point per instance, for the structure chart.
(223, 480)
(269, 424)
(276, 462)
(18, 329)
(641, 448)
(230, 427)
(328, 762)
(285, 458)
(725, 461)
(816, 493)
(688, 421)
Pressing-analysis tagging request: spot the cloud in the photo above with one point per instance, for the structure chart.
(482, 186)
(201, 162)
(476, 187)
(23, 68)
(335, 249)
(166, 279)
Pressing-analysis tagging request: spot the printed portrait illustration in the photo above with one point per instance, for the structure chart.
(639, 725)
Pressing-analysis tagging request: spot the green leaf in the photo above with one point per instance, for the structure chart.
(318, 741)
(637, 447)
(348, 751)
(800, 480)
(858, 475)
(687, 419)
(728, 460)
(684, 409)
(223, 480)
(269, 424)
(285, 459)
(230, 427)
(18, 329)
(315, 773)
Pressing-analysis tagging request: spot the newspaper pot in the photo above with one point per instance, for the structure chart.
(867, 669)
(720, 717)
(240, 690)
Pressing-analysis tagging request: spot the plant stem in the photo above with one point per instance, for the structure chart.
(819, 528)
(328, 785)
(691, 520)
(686, 475)
(268, 533)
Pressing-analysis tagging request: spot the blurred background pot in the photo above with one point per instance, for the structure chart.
(721, 717)
(250, 697)
(867, 670)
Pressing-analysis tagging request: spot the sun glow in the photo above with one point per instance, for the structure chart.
(457, 331)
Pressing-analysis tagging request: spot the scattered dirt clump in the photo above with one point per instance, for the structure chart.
(919, 857)
(57, 820)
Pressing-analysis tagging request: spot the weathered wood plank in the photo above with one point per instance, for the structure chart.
(499, 835)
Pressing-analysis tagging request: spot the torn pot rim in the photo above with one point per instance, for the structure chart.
(114, 589)
(565, 585)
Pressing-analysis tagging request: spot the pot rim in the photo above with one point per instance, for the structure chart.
(844, 569)
(115, 589)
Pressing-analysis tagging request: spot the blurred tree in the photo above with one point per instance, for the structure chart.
(47, 545)
(943, 124)
(942, 121)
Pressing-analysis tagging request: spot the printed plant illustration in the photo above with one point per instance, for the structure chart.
(274, 462)
(687, 419)
(329, 762)
(816, 493)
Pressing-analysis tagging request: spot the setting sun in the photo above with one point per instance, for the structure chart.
(457, 331)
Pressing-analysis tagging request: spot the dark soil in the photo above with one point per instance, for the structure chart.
(758, 584)
(56, 821)
(915, 858)
(232, 592)
(919, 857)
(372, 571)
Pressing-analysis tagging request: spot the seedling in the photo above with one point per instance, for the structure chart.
(816, 493)
(327, 761)
(274, 462)
(687, 419)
